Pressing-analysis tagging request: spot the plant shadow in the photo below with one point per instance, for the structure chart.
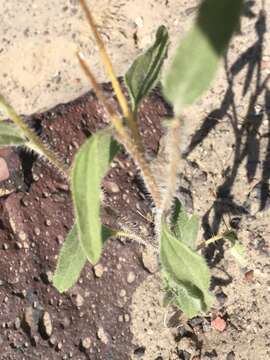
(246, 132)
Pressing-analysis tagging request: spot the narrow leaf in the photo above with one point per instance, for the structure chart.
(196, 60)
(10, 135)
(90, 166)
(186, 268)
(144, 73)
(70, 262)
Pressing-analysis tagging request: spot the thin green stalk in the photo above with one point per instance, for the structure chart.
(210, 241)
(34, 141)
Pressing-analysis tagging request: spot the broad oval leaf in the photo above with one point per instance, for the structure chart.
(196, 60)
(70, 262)
(144, 73)
(90, 166)
(186, 268)
(10, 135)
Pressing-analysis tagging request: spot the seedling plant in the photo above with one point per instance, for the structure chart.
(184, 272)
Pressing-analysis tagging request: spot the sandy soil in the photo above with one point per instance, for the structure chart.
(227, 156)
(39, 40)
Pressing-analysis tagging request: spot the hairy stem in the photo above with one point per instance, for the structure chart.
(111, 73)
(172, 168)
(34, 141)
(123, 136)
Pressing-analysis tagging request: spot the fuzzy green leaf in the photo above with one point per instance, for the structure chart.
(70, 262)
(196, 60)
(10, 135)
(181, 296)
(187, 269)
(90, 166)
(144, 73)
(184, 228)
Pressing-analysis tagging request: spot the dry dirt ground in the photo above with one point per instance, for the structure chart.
(116, 312)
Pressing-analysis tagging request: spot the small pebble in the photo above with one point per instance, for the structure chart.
(60, 239)
(86, 343)
(98, 270)
(102, 336)
(112, 187)
(131, 277)
(52, 340)
(79, 300)
(47, 324)
(219, 324)
(123, 293)
(17, 323)
(22, 235)
(59, 346)
(249, 276)
(48, 277)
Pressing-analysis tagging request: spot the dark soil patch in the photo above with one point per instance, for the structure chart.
(36, 214)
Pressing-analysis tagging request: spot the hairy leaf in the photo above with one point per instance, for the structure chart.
(186, 268)
(144, 73)
(70, 262)
(10, 135)
(90, 166)
(184, 228)
(196, 60)
(181, 296)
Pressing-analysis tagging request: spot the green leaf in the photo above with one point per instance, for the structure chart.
(144, 73)
(90, 166)
(237, 249)
(70, 262)
(184, 228)
(196, 60)
(181, 296)
(187, 269)
(10, 135)
(179, 217)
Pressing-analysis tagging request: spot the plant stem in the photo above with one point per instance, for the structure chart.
(124, 137)
(210, 241)
(172, 148)
(111, 73)
(34, 141)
